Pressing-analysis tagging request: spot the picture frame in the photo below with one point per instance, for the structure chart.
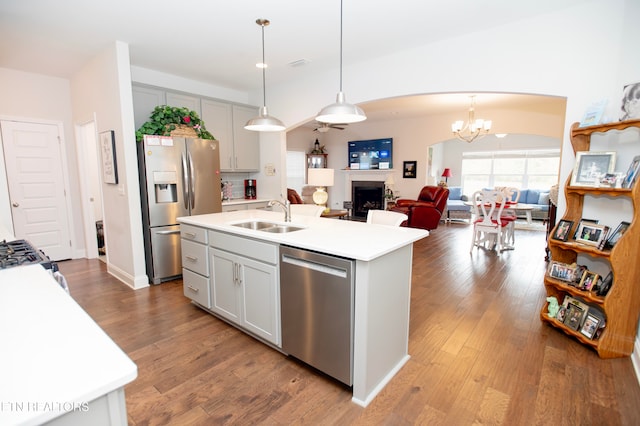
(590, 166)
(574, 316)
(575, 234)
(562, 312)
(562, 271)
(108, 155)
(632, 173)
(588, 280)
(562, 230)
(615, 236)
(605, 285)
(590, 326)
(409, 169)
(591, 234)
(629, 107)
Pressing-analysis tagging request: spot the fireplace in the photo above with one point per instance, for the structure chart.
(366, 195)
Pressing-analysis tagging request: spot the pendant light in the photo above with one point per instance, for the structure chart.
(341, 111)
(264, 122)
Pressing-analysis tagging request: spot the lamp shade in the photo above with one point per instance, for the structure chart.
(320, 177)
(446, 173)
(341, 112)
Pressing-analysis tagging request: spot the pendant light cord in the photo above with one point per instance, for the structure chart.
(264, 66)
(341, 45)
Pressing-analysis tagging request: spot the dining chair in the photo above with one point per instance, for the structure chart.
(489, 225)
(511, 196)
(306, 210)
(385, 217)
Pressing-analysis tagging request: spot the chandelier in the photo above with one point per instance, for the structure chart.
(473, 128)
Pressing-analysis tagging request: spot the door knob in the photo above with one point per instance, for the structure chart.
(15, 205)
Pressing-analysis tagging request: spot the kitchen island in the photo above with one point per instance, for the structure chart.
(383, 264)
(56, 364)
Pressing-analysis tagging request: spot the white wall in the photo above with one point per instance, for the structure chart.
(102, 88)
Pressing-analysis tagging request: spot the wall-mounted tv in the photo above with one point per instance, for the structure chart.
(371, 154)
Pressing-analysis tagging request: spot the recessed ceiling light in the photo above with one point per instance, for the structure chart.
(261, 65)
(500, 135)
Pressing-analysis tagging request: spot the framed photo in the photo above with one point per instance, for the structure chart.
(574, 316)
(588, 280)
(632, 173)
(591, 324)
(630, 108)
(562, 312)
(605, 285)
(613, 239)
(591, 234)
(562, 271)
(591, 166)
(108, 155)
(575, 234)
(409, 169)
(562, 230)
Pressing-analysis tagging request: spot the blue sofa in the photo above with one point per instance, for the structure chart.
(456, 209)
(538, 198)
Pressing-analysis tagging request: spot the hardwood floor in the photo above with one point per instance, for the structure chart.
(479, 353)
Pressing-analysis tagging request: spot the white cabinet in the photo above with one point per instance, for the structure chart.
(250, 205)
(245, 284)
(179, 100)
(145, 99)
(195, 264)
(246, 144)
(239, 148)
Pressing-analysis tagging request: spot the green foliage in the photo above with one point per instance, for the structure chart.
(164, 119)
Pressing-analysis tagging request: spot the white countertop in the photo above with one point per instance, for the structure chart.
(354, 240)
(237, 201)
(53, 354)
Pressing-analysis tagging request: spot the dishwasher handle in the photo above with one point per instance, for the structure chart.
(316, 266)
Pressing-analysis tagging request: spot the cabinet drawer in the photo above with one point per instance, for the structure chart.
(196, 287)
(193, 233)
(194, 257)
(259, 250)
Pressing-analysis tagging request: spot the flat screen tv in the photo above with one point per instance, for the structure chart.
(371, 154)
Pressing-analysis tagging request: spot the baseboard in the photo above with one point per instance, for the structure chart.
(135, 283)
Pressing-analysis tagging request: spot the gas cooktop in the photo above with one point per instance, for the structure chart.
(21, 253)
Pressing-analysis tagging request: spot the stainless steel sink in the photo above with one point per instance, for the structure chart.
(259, 225)
(280, 229)
(255, 224)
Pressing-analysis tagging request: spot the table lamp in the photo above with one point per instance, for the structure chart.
(321, 179)
(446, 174)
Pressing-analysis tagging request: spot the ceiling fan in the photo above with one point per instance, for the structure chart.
(325, 127)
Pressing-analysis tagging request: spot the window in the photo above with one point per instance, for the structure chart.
(536, 169)
(296, 170)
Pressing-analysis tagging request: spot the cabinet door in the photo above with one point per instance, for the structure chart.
(261, 300)
(225, 294)
(145, 99)
(246, 144)
(183, 101)
(218, 121)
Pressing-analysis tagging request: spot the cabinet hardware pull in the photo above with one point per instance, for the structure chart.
(190, 234)
(193, 288)
(191, 258)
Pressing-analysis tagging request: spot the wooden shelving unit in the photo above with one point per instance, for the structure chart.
(621, 305)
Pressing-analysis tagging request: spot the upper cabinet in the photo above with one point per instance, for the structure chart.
(239, 148)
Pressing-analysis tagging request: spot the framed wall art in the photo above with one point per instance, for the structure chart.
(108, 155)
(409, 169)
(591, 166)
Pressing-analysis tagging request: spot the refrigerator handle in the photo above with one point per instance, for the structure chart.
(185, 180)
(192, 181)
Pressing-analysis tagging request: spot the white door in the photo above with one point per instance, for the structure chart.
(36, 186)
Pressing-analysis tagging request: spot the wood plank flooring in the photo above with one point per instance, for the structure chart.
(479, 353)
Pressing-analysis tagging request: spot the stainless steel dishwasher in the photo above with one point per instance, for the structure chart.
(317, 298)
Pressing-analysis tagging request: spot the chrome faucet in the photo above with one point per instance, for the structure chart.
(286, 206)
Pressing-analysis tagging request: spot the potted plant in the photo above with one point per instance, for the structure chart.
(165, 119)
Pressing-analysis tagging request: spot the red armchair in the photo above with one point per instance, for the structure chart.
(426, 211)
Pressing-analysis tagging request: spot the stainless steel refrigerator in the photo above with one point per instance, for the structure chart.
(178, 177)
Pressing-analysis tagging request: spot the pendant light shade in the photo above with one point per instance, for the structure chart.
(341, 111)
(264, 122)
